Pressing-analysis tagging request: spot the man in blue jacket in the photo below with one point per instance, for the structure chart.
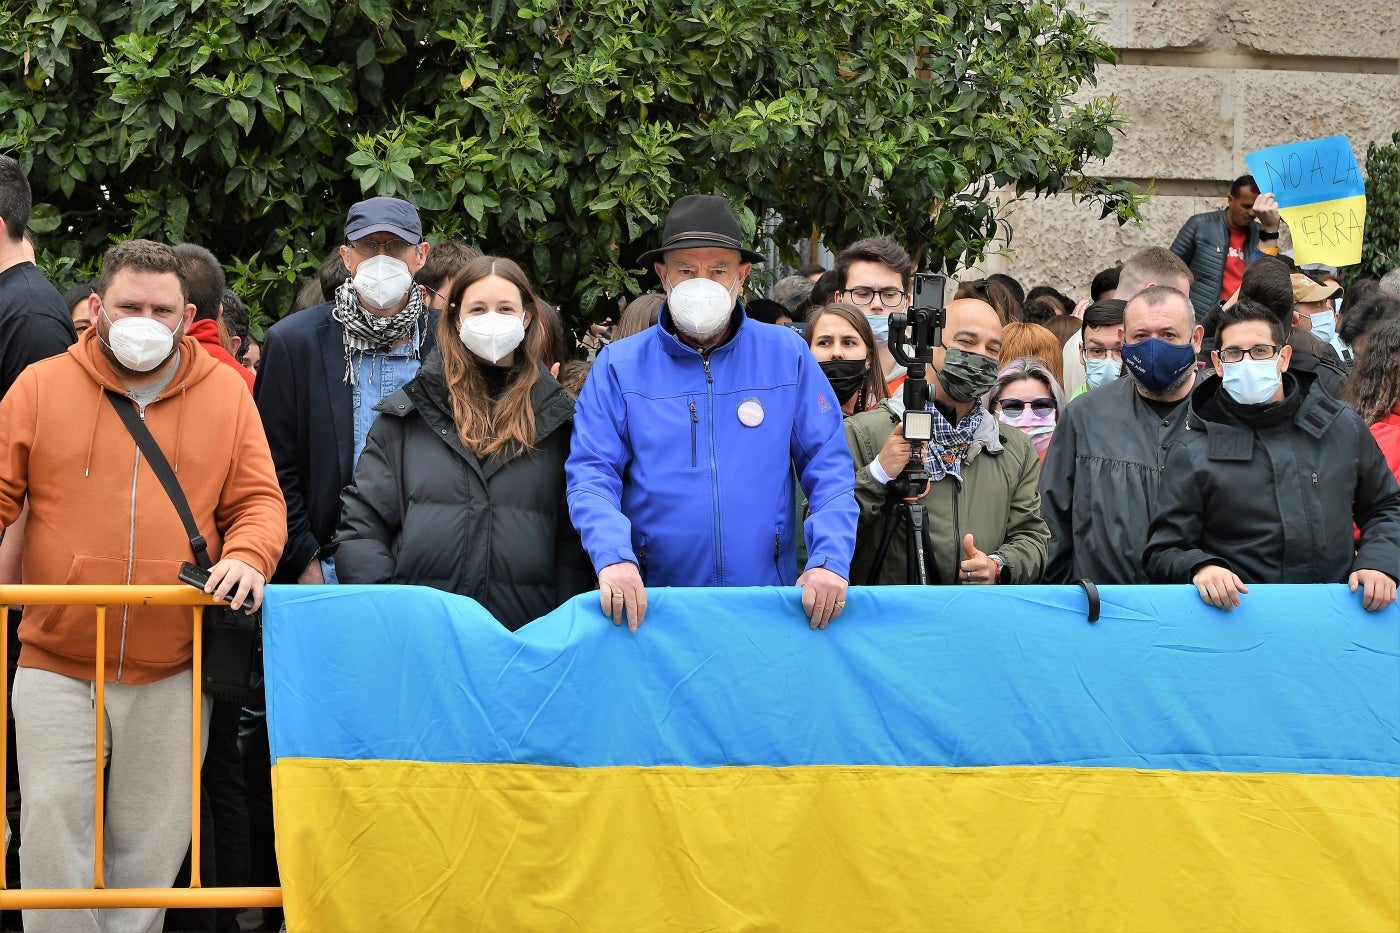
(686, 437)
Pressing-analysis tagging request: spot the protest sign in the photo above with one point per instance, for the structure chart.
(1321, 196)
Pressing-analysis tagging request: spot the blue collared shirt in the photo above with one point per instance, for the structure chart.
(378, 376)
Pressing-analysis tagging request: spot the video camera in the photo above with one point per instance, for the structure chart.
(912, 339)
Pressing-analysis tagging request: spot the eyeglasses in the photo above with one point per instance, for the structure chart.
(1260, 351)
(1102, 353)
(396, 247)
(863, 295)
(1014, 406)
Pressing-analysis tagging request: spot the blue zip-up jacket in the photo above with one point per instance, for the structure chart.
(667, 471)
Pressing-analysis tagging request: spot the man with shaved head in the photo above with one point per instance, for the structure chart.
(984, 524)
(1153, 266)
(1100, 476)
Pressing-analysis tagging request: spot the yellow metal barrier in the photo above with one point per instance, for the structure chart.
(100, 897)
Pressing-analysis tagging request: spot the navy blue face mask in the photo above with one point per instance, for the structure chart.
(1157, 365)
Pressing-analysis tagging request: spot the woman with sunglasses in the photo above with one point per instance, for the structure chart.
(1028, 397)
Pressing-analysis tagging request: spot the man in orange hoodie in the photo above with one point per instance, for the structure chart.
(98, 514)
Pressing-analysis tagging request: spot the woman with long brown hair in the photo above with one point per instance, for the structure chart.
(461, 483)
(1374, 388)
(843, 343)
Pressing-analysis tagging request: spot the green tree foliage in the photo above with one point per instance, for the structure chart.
(552, 131)
(1380, 252)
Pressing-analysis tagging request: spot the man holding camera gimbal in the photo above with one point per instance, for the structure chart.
(975, 481)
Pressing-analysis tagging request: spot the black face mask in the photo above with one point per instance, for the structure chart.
(845, 377)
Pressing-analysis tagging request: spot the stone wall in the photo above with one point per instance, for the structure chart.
(1203, 82)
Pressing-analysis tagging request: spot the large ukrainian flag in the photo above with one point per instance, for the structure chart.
(944, 758)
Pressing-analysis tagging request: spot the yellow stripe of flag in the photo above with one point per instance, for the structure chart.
(445, 846)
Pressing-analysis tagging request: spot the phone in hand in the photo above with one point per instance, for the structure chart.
(194, 575)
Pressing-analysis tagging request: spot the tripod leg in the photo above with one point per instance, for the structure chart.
(917, 567)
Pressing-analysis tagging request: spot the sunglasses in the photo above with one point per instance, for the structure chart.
(1015, 406)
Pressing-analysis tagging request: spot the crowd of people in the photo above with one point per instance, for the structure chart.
(1209, 414)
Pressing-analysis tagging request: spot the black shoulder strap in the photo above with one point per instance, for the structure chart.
(126, 410)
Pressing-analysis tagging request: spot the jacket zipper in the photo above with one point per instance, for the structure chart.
(694, 432)
(130, 550)
(957, 531)
(714, 470)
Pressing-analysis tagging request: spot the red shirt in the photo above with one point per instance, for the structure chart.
(1387, 434)
(1234, 264)
(207, 333)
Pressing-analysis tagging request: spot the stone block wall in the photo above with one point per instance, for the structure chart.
(1202, 83)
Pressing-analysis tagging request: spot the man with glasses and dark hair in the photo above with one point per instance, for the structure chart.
(324, 370)
(1101, 343)
(1268, 482)
(874, 274)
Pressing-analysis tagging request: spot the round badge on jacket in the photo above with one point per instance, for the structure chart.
(750, 412)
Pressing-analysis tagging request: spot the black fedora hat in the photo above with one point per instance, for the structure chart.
(697, 221)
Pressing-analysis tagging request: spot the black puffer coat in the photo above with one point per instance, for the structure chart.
(424, 509)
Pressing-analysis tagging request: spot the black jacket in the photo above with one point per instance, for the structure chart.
(1203, 243)
(423, 509)
(307, 412)
(1099, 482)
(1274, 501)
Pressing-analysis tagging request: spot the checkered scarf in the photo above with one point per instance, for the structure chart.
(368, 333)
(945, 453)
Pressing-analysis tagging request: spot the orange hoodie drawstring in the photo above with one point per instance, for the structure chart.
(92, 438)
(179, 428)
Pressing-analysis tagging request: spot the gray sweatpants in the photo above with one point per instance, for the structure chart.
(148, 791)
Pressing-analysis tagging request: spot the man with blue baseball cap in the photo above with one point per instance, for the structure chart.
(322, 373)
(324, 369)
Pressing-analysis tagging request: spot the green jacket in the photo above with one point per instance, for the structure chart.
(998, 503)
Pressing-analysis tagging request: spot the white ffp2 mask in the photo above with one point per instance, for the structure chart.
(382, 281)
(492, 336)
(700, 307)
(139, 343)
